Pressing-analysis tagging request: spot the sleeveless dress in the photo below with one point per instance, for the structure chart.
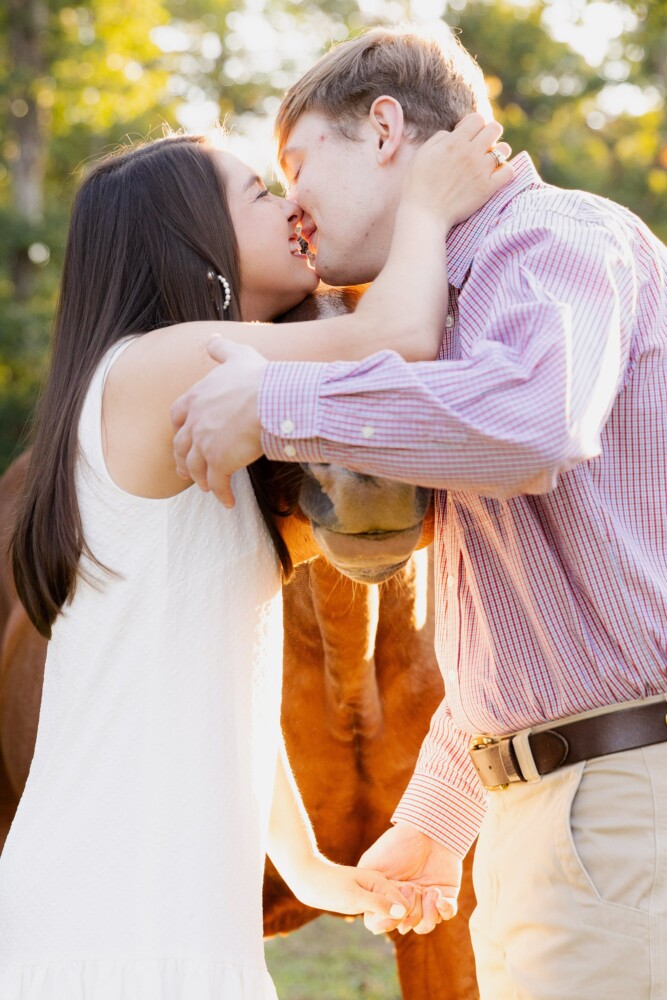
(133, 869)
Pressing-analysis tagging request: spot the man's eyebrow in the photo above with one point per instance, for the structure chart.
(255, 179)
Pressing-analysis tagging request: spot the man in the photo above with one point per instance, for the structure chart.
(542, 427)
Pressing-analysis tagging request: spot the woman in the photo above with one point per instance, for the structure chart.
(134, 865)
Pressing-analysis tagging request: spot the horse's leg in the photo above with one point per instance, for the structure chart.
(22, 653)
(440, 965)
(21, 677)
(8, 803)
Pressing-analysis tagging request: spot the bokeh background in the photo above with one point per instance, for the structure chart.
(580, 84)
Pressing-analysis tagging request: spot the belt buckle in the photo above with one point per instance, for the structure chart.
(480, 743)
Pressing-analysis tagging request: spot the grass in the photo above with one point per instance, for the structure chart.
(330, 959)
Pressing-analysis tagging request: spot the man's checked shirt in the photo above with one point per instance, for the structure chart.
(543, 428)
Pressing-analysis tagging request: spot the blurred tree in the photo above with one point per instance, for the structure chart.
(73, 81)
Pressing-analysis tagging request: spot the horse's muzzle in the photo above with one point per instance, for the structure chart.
(368, 557)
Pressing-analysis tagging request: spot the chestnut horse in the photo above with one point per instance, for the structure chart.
(360, 684)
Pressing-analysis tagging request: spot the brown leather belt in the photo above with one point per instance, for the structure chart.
(526, 756)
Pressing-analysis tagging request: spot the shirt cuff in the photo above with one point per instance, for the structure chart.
(441, 812)
(288, 410)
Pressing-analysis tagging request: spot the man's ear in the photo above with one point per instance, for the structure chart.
(386, 120)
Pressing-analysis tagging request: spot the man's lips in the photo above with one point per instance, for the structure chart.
(309, 235)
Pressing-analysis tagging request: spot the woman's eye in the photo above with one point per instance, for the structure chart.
(263, 194)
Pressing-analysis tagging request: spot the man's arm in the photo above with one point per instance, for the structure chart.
(545, 327)
(435, 823)
(445, 798)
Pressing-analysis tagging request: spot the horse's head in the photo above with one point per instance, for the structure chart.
(367, 527)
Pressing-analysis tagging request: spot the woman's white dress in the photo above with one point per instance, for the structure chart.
(133, 869)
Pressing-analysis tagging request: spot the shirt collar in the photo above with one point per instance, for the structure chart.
(464, 239)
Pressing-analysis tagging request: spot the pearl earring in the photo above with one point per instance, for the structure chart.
(227, 296)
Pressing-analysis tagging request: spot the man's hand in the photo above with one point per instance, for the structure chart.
(217, 422)
(405, 853)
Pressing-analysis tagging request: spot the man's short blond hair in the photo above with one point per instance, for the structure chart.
(437, 83)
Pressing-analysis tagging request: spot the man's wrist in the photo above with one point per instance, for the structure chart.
(288, 407)
(440, 812)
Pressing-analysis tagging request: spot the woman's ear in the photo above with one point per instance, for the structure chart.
(386, 119)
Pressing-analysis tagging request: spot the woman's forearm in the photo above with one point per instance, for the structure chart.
(292, 846)
(403, 311)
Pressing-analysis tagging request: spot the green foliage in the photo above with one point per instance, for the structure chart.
(112, 69)
(333, 960)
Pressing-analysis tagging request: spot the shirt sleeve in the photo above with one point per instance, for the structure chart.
(444, 799)
(541, 350)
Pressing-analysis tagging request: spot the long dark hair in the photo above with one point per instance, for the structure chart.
(147, 225)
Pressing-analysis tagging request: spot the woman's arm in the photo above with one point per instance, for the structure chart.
(449, 177)
(315, 880)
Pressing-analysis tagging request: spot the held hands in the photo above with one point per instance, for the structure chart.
(343, 889)
(216, 421)
(407, 882)
(406, 854)
(454, 173)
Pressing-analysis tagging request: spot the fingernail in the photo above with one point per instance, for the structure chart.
(397, 911)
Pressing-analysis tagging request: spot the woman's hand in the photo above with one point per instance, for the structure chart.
(342, 889)
(454, 173)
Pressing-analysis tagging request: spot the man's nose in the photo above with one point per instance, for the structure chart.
(307, 224)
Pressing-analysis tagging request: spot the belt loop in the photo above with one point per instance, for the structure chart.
(524, 756)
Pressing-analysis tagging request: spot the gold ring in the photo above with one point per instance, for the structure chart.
(498, 157)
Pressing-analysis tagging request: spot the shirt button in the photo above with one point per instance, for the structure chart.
(290, 450)
(449, 322)
(286, 427)
(450, 582)
(367, 431)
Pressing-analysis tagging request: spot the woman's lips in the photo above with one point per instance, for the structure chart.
(298, 246)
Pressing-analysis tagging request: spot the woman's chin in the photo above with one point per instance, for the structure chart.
(306, 282)
(295, 290)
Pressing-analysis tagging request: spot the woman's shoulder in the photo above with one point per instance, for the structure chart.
(163, 361)
(141, 383)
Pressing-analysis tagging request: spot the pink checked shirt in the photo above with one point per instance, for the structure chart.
(543, 428)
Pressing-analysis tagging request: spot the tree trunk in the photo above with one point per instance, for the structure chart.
(27, 28)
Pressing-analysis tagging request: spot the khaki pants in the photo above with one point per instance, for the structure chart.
(571, 882)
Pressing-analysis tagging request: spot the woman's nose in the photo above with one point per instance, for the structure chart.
(293, 211)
